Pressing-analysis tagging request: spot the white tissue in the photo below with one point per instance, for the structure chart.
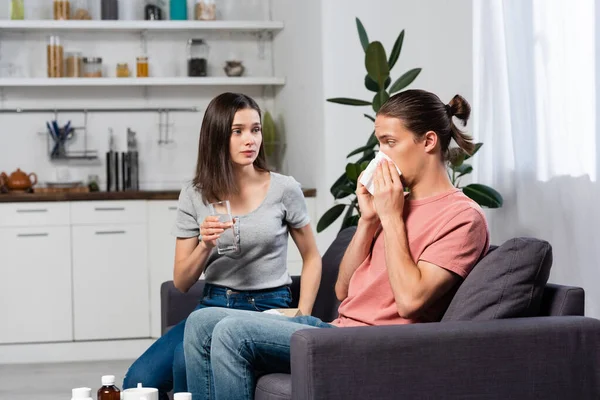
(367, 176)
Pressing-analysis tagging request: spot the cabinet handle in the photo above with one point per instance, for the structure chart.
(33, 210)
(173, 208)
(110, 232)
(109, 208)
(32, 234)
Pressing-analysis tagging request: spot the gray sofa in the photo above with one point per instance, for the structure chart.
(546, 350)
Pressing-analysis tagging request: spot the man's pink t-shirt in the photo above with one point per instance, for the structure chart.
(448, 230)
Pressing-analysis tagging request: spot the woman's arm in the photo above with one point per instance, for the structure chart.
(311, 267)
(191, 254)
(190, 259)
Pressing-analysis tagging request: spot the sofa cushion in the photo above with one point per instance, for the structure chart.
(507, 283)
(274, 387)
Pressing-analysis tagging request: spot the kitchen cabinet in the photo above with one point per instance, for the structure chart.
(35, 284)
(110, 270)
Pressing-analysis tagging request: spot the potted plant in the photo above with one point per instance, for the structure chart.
(379, 81)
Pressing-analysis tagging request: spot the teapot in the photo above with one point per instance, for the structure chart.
(18, 180)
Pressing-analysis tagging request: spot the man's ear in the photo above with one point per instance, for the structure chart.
(430, 140)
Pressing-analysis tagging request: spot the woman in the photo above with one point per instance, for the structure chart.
(231, 166)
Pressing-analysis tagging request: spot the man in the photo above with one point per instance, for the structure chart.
(403, 265)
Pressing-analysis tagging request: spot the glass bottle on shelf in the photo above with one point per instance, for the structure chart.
(17, 9)
(81, 10)
(205, 10)
(55, 57)
(62, 9)
(92, 67)
(142, 69)
(73, 64)
(197, 57)
(122, 70)
(109, 9)
(178, 10)
(154, 10)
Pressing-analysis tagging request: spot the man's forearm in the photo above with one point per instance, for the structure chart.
(357, 251)
(403, 273)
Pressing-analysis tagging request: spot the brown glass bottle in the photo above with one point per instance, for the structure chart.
(109, 391)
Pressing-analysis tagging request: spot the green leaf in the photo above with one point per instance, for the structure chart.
(344, 191)
(483, 195)
(396, 50)
(368, 156)
(376, 63)
(477, 147)
(457, 158)
(370, 117)
(350, 221)
(463, 170)
(341, 181)
(371, 85)
(352, 172)
(269, 134)
(349, 102)
(379, 99)
(372, 140)
(360, 150)
(405, 80)
(330, 216)
(362, 34)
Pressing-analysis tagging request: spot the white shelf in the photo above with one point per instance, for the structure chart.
(91, 82)
(139, 26)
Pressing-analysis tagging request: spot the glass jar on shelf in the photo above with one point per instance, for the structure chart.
(122, 70)
(197, 57)
(142, 70)
(154, 10)
(17, 9)
(92, 67)
(205, 10)
(109, 9)
(82, 10)
(73, 64)
(55, 57)
(62, 9)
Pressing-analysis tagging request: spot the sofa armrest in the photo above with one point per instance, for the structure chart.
(549, 357)
(175, 306)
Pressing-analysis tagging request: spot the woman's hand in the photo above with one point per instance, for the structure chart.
(365, 202)
(211, 229)
(389, 192)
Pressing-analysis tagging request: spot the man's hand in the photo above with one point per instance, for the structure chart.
(389, 192)
(365, 202)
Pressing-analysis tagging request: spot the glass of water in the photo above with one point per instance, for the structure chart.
(228, 242)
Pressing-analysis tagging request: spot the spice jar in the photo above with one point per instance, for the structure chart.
(122, 70)
(205, 10)
(17, 9)
(62, 9)
(73, 64)
(142, 67)
(92, 67)
(109, 9)
(197, 57)
(81, 10)
(54, 55)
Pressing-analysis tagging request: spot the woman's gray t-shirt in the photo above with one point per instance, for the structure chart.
(261, 262)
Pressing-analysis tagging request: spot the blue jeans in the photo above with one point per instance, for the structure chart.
(224, 350)
(163, 365)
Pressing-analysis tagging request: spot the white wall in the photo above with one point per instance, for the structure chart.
(24, 141)
(438, 38)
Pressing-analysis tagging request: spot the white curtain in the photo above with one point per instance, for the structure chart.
(536, 87)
